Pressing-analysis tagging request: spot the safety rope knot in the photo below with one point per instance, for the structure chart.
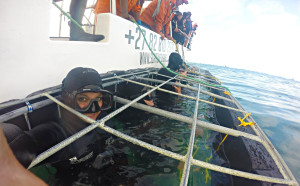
(227, 93)
(243, 123)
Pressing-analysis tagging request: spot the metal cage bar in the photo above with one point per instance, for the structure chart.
(189, 87)
(191, 81)
(58, 88)
(182, 95)
(189, 155)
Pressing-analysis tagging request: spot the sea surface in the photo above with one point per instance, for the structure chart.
(274, 103)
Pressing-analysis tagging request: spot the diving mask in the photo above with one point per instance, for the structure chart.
(84, 104)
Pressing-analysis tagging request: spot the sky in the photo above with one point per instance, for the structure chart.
(258, 35)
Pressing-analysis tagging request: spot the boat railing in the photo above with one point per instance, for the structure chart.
(288, 178)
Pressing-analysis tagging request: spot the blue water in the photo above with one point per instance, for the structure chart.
(274, 103)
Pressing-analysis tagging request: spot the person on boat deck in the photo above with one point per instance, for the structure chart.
(177, 28)
(188, 25)
(175, 63)
(128, 9)
(82, 90)
(158, 15)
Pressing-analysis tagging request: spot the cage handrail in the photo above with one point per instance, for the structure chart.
(183, 95)
(189, 155)
(23, 110)
(76, 136)
(189, 80)
(189, 87)
(56, 90)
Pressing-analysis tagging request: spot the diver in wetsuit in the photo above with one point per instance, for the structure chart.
(82, 90)
(175, 64)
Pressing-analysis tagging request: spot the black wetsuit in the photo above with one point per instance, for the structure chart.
(165, 72)
(26, 145)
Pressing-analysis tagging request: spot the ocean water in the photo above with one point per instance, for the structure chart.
(274, 103)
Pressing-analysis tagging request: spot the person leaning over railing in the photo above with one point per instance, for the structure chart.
(188, 25)
(82, 90)
(128, 9)
(177, 28)
(158, 15)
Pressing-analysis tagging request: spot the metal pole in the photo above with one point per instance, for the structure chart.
(60, 19)
(189, 87)
(57, 88)
(189, 80)
(189, 155)
(113, 8)
(182, 95)
(23, 110)
(183, 57)
(8, 104)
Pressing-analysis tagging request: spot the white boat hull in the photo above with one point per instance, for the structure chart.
(31, 61)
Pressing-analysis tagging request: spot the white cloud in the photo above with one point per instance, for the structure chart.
(260, 36)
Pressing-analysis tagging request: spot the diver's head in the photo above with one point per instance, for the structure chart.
(175, 61)
(82, 90)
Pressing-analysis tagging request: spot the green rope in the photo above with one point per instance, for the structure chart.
(73, 20)
(213, 85)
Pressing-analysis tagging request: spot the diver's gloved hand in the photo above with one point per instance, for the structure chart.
(106, 157)
(103, 159)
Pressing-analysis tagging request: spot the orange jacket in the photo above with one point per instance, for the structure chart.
(163, 17)
(103, 6)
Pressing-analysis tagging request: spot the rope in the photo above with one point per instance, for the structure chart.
(221, 143)
(168, 68)
(243, 123)
(189, 154)
(176, 46)
(227, 93)
(73, 20)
